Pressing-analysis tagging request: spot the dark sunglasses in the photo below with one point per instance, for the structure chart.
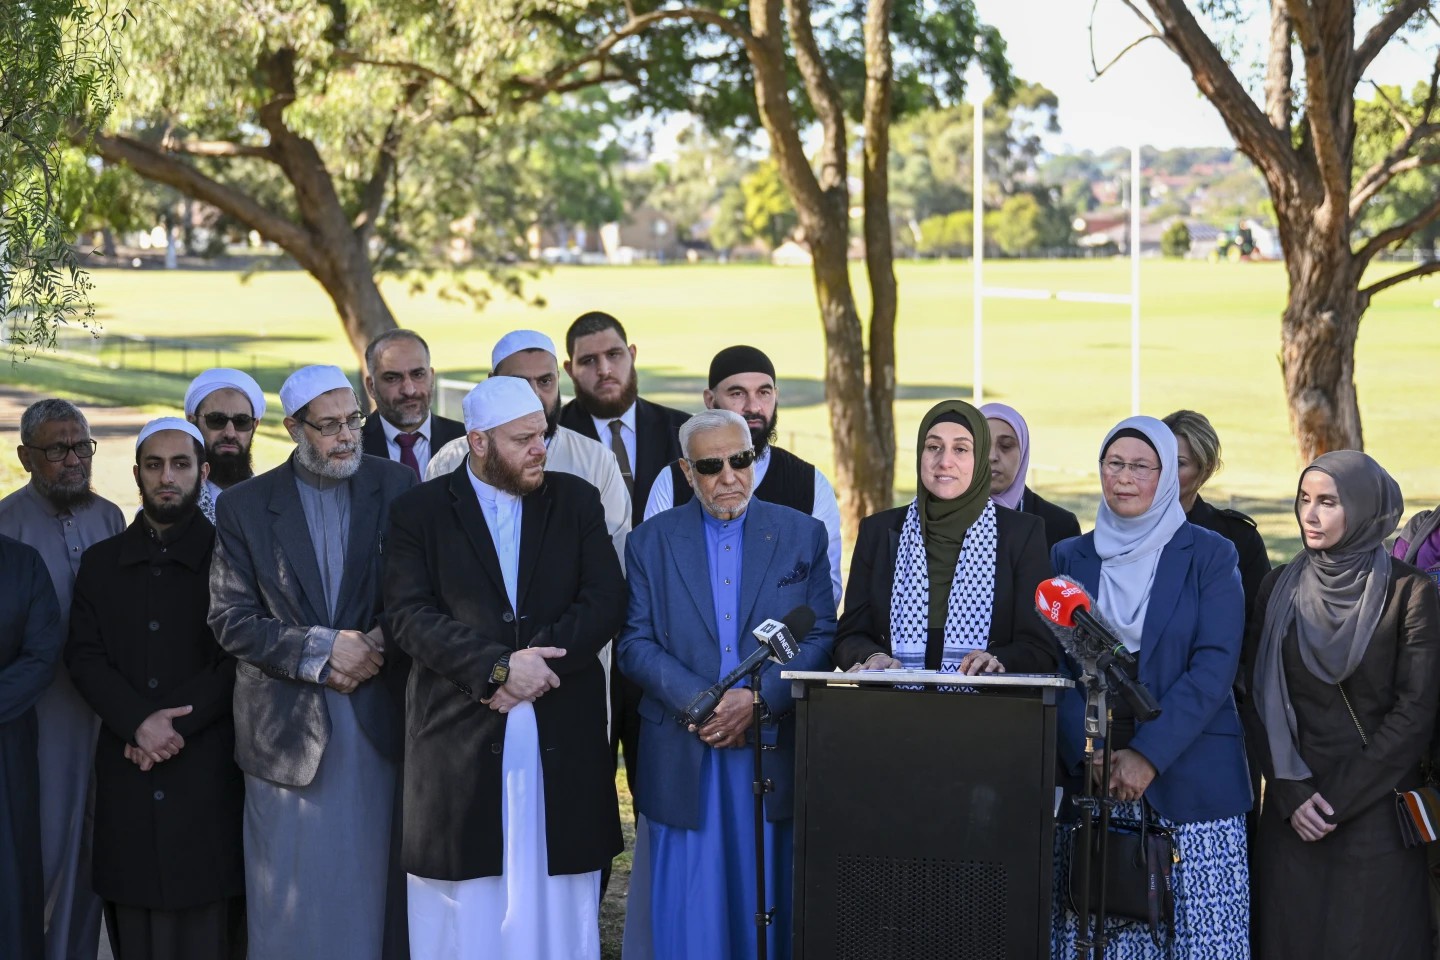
(217, 421)
(713, 465)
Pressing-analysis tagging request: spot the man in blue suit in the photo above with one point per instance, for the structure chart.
(702, 577)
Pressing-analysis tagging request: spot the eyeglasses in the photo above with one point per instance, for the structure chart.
(712, 465)
(1140, 471)
(243, 421)
(331, 428)
(85, 449)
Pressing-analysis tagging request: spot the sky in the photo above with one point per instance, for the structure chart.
(1149, 94)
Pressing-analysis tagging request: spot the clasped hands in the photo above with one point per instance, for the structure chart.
(530, 678)
(727, 725)
(156, 740)
(354, 658)
(1130, 773)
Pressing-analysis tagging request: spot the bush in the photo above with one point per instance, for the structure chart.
(1175, 241)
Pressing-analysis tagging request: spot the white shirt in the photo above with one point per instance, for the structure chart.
(502, 517)
(627, 433)
(573, 453)
(826, 510)
(421, 448)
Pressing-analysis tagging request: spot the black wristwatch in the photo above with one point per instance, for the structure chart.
(499, 674)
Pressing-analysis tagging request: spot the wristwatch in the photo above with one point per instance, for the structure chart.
(499, 674)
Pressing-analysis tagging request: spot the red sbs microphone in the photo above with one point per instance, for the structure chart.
(1057, 600)
(1065, 606)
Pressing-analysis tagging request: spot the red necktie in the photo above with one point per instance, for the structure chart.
(407, 443)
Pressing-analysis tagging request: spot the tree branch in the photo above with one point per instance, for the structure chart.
(153, 164)
(477, 106)
(1397, 161)
(1098, 71)
(1398, 233)
(1380, 34)
(1251, 128)
(1279, 69)
(766, 51)
(824, 94)
(215, 148)
(1423, 270)
(1325, 88)
(372, 197)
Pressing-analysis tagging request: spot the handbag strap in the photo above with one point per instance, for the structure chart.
(1364, 740)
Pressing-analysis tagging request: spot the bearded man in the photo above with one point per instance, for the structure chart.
(503, 587)
(168, 795)
(225, 405)
(295, 591)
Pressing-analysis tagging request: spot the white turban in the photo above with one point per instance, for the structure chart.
(307, 383)
(517, 340)
(220, 378)
(168, 423)
(499, 400)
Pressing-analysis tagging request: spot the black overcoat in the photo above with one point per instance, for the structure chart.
(169, 838)
(447, 607)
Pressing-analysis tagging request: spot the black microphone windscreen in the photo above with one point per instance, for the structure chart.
(799, 621)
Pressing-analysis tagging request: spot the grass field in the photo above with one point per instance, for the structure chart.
(1210, 342)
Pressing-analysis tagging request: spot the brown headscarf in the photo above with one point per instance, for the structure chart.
(1333, 597)
(944, 523)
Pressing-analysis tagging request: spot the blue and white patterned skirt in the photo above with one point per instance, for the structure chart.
(1212, 897)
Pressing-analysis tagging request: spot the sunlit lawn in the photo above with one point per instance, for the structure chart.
(1210, 342)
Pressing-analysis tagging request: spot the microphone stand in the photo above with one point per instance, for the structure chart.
(1091, 804)
(761, 786)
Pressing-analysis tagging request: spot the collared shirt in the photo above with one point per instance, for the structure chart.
(421, 448)
(60, 537)
(826, 510)
(502, 513)
(724, 545)
(627, 432)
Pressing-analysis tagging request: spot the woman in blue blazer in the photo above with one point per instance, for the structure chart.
(1171, 591)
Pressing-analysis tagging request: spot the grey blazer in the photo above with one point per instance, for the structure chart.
(266, 594)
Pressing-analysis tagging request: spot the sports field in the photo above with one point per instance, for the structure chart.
(1210, 342)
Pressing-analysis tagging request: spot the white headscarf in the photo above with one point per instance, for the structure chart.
(1130, 547)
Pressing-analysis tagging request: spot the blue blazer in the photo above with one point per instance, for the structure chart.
(671, 647)
(1189, 652)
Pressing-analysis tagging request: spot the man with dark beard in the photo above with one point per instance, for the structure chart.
(503, 587)
(295, 597)
(168, 795)
(644, 436)
(60, 516)
(742, 379)
(400, 380)
(226, 405)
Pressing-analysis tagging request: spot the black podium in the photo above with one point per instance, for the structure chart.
(924, 815)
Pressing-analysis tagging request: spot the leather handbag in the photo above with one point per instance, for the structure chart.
(1418, 810)
(1141, 857)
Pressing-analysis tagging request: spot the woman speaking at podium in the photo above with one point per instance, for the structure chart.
(1171, 593)
(1343, 708)
(947, 582)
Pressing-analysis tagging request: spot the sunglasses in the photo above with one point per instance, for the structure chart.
(713, 465)
(217, 421)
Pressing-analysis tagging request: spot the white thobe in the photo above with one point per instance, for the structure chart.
(524, 912)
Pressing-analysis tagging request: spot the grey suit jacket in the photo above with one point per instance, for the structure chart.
(266, 594)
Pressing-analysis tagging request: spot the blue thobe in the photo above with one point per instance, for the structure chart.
(702, 882)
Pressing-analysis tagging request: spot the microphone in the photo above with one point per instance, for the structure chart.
(779, 641)
(1065, 607)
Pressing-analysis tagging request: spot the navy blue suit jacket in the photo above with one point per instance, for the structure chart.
(1189, 652)
(671, 647)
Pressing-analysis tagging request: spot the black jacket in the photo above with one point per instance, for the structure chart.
(1018, 638)
(442, 431)
(1239, 530)
(657, 444)
(169, 838)
(447, 607)
(1060, 524)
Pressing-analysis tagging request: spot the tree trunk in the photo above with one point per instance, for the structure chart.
(1318, 331)
(879, 241)
(362, 308)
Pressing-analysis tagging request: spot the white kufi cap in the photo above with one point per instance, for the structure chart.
(168, 423)
(220, 378)
(307, 383)
(517, 340)
(499, 400)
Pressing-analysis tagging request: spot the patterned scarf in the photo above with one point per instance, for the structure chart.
(972, 594)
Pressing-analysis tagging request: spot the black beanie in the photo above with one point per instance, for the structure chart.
(740, 359)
